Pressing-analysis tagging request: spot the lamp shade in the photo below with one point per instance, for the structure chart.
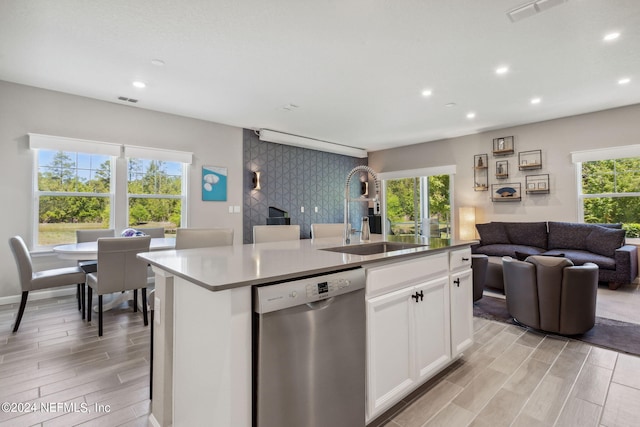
(467, 221)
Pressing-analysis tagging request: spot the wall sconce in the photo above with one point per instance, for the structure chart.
(256, 181)
(467, 221)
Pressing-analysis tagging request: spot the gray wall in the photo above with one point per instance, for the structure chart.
(556, 138)
(25, 109)
(294, 177)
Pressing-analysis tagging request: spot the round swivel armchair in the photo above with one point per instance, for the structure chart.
(551, 293)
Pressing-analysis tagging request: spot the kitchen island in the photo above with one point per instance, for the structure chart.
(203, 320)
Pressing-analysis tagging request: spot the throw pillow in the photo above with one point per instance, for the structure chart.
(521, 256)
(604, 241)
(527, 233)
(492, 233)
(569, 235)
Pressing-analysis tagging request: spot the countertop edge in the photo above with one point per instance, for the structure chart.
(364, 260)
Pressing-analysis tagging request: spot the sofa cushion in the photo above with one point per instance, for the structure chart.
(527, 233)
(579, 257)
(568, 235)
(605, 241)
(507, 250)
(492, 233)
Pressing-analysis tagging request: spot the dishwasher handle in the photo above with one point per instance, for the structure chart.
(319, 305)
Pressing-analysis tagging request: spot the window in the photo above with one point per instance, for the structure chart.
(418, 204)
(155, 193)
(610, 192)
(75, 188)
(73, 192)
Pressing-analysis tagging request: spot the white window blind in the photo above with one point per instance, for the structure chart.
(59, 143)
(610, 153)
(134, 152)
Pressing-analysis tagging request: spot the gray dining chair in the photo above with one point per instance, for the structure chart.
(119, 270)
(188, 238)
(35, 280)
(275, 233)
(154, 232)
(89, 265)
(83, 236)
(327, 230)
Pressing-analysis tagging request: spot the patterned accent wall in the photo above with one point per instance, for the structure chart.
(292, 177)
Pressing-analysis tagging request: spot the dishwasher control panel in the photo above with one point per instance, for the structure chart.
(327, 288)
(308, 290)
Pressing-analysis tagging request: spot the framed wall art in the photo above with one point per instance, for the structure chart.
(214, 184)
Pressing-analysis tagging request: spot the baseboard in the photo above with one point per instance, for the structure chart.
(37, 295)
(153, 422)
(494, 294)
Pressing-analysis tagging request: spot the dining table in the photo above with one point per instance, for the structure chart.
(87, 251)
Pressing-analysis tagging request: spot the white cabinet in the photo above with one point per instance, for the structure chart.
(431, 323)
(461, 287)
(389, 349)
(408, 331)
(461, 312)
(419, 319)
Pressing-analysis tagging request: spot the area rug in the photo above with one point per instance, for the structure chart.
(613, 334)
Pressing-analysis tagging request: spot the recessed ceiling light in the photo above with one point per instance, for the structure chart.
(426, 92)
(471, 115)
(611, 36)
(502, 70)
(536, 100)
(624, 81)
(139, 84)
(157, 62)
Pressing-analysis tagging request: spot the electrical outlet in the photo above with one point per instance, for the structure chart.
(316, 209)
(230, 209)
(302, 209)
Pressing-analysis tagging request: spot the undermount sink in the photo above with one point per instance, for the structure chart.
(374, 248)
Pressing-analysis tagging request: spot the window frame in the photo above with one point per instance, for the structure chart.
(582, 196)
(118, 182)
(182, 196)
(423, 175)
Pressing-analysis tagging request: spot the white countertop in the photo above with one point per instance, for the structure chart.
(227, 267)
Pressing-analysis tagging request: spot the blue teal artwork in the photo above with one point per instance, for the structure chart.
(214, 183)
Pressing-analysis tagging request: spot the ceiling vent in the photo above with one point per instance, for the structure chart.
(124, 98)
(532, 8)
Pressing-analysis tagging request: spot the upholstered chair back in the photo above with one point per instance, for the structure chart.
(83, 236)
(187, 238)
(23, 260)
(119, 269)
(275, 233)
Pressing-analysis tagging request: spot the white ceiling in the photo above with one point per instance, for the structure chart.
(354, 68)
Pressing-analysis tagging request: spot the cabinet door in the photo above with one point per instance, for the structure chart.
(431, 327)
(389, 350)
(461, 312)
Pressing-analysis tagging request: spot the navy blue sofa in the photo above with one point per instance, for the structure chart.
(601, 244)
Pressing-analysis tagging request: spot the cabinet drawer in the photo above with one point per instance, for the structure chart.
(460, 259)
(389, 277)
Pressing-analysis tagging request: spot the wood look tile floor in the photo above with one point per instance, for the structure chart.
(68, 376)
(510, 377)
(515, 377)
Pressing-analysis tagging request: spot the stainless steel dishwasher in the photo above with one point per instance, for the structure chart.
(309, 352)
